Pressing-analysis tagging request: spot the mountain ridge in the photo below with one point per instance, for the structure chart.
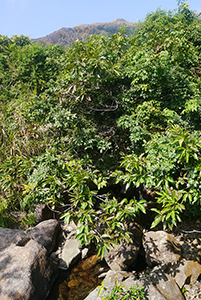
(66, 36)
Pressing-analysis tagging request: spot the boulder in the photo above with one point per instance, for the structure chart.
(150, 291)
(26, 274)
(165, 284)
(109, 282)
(10, 237)
(121, 256)
(70, 254)
(45, 233)
(43, 212)
(186, 271)
(191, 252)
(94, 294)
(161, 248)
(193, 291)
(113, 276)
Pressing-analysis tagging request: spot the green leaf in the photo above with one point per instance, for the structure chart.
(156, 221)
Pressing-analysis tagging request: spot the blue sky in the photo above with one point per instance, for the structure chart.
(37, 18)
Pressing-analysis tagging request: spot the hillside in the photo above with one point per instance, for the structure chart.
(67, 36)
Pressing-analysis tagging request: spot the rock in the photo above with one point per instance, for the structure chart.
(191, 252)
(161, 247)
(70, 228)
(112, 276)
(43, 212)
(12, 236)
(85, 253)
(45, 233)
(71, 253)
(94, 294)
(165, 284)
(186, 271)
(121, 256)
(193, 291)
(26, 274)
(109, 283)
(151, 292)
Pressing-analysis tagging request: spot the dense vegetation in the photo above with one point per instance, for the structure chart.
(126, 108)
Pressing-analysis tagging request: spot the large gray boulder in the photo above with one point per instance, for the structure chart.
(26, 271)
(151, 293)
(45, 233)
(26, 274)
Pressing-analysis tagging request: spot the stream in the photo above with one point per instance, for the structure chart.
(77, 282)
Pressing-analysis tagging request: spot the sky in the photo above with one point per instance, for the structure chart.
(38, 18)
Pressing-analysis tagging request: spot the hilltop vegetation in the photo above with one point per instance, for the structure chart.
(121, 107)
(68, 36)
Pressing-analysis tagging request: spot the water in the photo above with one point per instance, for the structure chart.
(77, 283)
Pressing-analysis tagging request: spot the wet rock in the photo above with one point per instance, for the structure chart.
(121, 256)
(186, 271)
(26, 274)
(45, 233)
(71, 253)
(161, 247)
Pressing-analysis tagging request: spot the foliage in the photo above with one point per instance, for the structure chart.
(168, 163)
(104, 227)
(118, 106)
(118, 292)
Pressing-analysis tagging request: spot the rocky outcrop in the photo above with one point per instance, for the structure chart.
(10, 237)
